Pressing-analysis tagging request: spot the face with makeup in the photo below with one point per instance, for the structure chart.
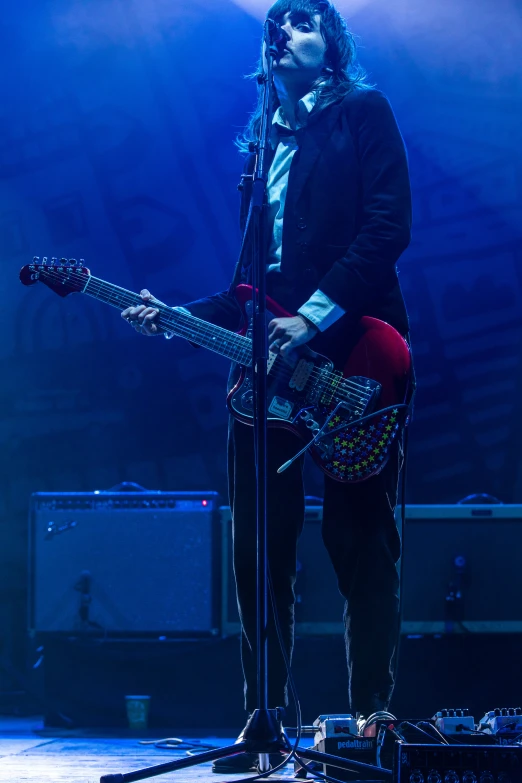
(300, 57)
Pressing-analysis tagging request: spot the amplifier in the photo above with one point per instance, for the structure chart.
(124, 562)
(461, 570)
(319, 604)
(457, 764)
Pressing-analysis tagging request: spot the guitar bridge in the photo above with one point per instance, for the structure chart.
(332, 387)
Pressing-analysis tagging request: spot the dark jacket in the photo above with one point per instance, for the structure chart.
(347, 218)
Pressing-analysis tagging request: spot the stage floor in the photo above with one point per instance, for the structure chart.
(30, 755)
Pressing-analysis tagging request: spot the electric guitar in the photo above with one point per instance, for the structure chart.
(348, 418)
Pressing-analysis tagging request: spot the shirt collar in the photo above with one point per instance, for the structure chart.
(304, 107)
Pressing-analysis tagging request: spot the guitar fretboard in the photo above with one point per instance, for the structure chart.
(233, 346)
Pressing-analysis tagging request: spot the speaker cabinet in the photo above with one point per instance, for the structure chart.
(124, 562)
(460, 572)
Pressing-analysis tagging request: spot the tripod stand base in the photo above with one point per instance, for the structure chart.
(263, 732)
(172, 766)
(262, 735)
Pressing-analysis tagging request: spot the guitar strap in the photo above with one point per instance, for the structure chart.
(246, 177)
(412, 391)
(236, 277)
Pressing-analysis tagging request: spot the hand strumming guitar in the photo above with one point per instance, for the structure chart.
(287, 334)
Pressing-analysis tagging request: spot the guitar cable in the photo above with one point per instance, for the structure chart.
(293, 690)
(404, 473)
(293, 748)
(295, 697)
(291, 682)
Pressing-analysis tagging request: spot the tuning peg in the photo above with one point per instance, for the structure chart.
(63, 261)
(53, 261)
(44, 260)
(36, 258)
(81, 262)
(72, 262)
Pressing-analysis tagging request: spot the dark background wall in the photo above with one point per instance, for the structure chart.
(116, 128)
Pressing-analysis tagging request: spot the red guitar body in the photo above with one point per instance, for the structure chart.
(373, 384)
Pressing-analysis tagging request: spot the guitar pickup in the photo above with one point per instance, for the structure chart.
(301, 375)
(270, 361)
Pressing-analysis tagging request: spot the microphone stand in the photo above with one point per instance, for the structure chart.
(263, 732)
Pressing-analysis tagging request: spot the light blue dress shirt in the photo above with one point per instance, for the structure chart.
(319, 309)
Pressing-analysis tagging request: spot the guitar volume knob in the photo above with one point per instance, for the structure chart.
(247, 399)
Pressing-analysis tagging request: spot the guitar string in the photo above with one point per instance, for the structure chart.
(240, 345)
(345, 385)
(205, 328)
(117, 296)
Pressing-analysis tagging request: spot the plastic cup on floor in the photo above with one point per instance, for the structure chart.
(137, 711)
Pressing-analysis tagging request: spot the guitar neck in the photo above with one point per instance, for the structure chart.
(233, 346)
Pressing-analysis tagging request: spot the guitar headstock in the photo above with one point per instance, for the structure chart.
(63, 276)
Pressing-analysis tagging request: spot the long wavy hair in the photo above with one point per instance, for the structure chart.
(342, 72)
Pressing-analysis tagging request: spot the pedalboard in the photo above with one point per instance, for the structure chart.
(448, 748)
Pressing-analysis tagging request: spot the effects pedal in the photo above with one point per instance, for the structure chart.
(454, 721)
(337, 735)
(504, 724)
(334, 726)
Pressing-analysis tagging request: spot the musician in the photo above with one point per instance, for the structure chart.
(339, 219)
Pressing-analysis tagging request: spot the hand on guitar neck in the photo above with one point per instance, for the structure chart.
(284, 334)
(142, 318)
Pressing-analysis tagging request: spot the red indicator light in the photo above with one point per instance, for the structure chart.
(204, 502)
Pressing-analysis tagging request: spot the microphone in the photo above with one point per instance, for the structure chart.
(83, 585)
(276, 34)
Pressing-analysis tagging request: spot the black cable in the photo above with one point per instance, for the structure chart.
(178, 744)
(395, 667)
(405, 439)
(321, 775)
(175, 743)
(291, 682)
(433, 729)
(295, 697)
(421, 731)
(314, 772)
(293, 690)
(375, 717)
